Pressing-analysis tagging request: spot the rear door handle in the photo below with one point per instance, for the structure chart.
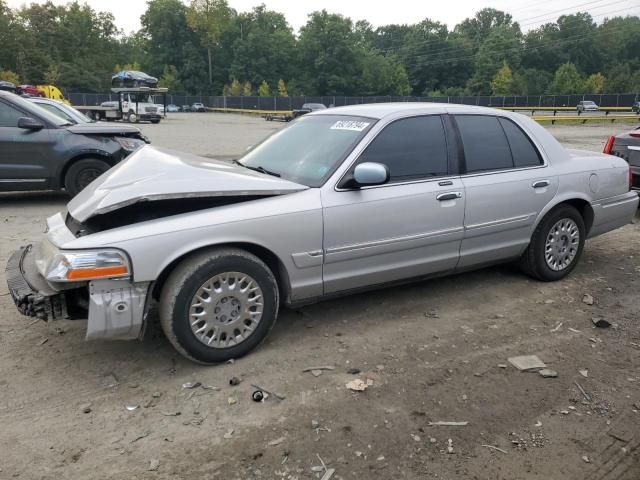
(448, 196)
(541, 184)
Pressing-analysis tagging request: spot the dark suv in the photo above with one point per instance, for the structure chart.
(41, 151)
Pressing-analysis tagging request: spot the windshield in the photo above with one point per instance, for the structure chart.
(64, 111)
(39, 111)
(309, 149)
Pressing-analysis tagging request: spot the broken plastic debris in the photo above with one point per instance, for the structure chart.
(359, 385)
(277, 441)
(191, 385)
(131, 408)
(548, 373)
(588, 299)
(448, 424)
(322, 367)
(229, 434)
(584, 373)
(154, 464)
(171, 414)
(601, 322)
(234, 381)
(527, 363)
(232, 400)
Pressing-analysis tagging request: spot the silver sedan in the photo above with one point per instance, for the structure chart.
(341, 200)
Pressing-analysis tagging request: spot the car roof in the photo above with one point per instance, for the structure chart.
(382, 110)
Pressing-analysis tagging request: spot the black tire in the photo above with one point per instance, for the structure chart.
(534, 262)
(184, 282)
(155, 121)
(132, 117)
(82, 173)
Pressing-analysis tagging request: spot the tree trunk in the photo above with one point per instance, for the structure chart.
(210, 69)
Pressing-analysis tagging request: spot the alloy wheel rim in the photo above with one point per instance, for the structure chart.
(561, 246)
(226, 310)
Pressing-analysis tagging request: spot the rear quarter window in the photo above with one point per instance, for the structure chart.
(523, 151)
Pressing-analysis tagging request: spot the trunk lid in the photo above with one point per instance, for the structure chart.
(159, 174)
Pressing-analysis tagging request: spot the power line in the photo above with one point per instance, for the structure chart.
(455, 49)
(444, 39)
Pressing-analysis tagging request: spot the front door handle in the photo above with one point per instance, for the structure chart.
(448, 196)
(541, 184)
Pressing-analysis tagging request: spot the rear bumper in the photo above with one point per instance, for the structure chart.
(614, 212)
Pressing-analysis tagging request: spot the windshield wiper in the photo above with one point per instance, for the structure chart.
(257, 169)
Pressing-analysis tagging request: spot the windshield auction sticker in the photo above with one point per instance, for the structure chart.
(350, 125)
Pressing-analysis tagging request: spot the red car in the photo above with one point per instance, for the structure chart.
(29, 90)
(627, 146)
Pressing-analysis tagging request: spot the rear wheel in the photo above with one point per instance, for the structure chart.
(556, 245)
(218, 304)
(82, 173)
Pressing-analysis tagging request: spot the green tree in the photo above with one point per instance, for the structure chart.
(594, 83)
(623, 78)
(531, 81)
(166, 31)
(567, 80)
(383, 76)
(502, 81)
(247, 89)
(262, 46)
(282, 88)
(9, 76)
(209, 18)
(264, 90)
(503, 44)
(327, 55)
(169, 78)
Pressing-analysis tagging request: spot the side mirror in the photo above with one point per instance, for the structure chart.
(29, 123)
(367, 174)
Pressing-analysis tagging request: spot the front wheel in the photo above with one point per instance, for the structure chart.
(132, 117)
(556, 245)
(218, 304)
(82, 173)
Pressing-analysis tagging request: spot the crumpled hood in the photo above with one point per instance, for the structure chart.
(153, 173)
(103, 128)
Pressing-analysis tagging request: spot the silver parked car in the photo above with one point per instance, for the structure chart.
(341, 200)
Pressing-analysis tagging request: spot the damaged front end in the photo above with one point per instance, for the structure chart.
(78, 271)
(51, 284)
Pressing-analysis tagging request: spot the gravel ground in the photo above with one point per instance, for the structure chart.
(433, 351)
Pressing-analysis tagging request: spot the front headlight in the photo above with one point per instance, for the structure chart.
(88, 265)
(130, 144)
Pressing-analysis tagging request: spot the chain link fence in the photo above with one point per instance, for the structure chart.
(291, 103)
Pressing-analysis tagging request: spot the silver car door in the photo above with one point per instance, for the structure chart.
(507, 184)
(411, 226)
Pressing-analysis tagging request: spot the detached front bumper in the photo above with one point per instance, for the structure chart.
(30, 291)
(116, 309)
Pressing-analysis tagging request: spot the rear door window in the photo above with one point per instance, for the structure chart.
(524, 152)
(485, 143)
(412, 148)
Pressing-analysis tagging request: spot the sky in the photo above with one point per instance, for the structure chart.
(529, 14)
